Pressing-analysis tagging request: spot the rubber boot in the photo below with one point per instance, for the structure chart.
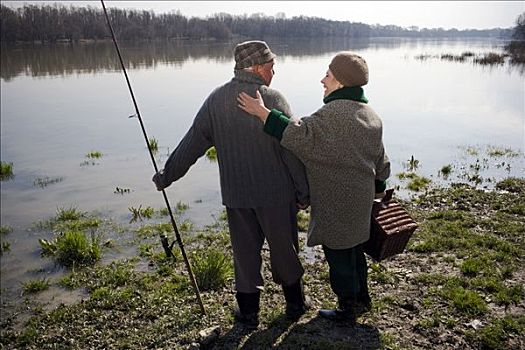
(363, 304)
(296, 303)
(247, 312)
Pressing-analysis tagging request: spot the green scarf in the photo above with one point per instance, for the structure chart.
(354, 93)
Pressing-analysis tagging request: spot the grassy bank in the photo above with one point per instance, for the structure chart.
(459, 285)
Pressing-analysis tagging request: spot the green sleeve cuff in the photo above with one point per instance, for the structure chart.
(276, 123)
(380, 186)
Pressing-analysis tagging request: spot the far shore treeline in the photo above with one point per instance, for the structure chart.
(59, 23)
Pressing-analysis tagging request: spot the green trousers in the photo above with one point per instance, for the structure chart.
(348, 273)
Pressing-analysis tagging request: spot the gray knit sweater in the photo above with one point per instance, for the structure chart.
(341, 147)
(255, 171)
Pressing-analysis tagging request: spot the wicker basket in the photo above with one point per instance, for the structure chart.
(391, 228)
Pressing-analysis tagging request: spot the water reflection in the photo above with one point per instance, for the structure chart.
(67, 59)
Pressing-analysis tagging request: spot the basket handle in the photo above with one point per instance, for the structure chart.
(388, 195)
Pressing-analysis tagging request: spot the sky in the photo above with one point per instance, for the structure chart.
(423, 14)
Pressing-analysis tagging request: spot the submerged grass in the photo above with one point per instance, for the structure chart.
(488, 58)
(43, 182)
(211, 154)
(72, 248)
(5, 229)
(36, 286)
(458, 285)
(139, 214)
(153, 145)
(94, 155)
(76, 239)
(6, 171)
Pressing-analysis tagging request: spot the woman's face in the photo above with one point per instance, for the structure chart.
(330, 83)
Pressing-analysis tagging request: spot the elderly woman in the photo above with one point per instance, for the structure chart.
(342, 149)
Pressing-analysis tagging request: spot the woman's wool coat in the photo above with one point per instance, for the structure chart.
(342, 149)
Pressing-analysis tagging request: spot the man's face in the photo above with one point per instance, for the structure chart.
(266, 72)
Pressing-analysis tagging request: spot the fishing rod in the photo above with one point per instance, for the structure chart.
(163, 239)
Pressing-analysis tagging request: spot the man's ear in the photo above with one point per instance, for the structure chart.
(257, 69)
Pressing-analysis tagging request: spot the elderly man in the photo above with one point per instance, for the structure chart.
(262, 184)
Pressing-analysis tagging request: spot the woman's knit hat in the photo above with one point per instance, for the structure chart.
(349, 69)
(251, 53)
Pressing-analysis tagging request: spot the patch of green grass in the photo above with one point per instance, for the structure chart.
(68, 214)
(35, 286)
(511, 184)
(494, 151)
(473, 266)
(472, 151)
(29, 334)
(141, 213)
(303, 219)
(440, 236)
(186, 226)
(145, 249)
(418, 183)
(152, 230)
(406, 175)
(489, 284)
(431, 279)
(121, 299)
(94, 155)
(165, 270)
(428, 323)
(465, 301)
(72, 248)
(464, 218)
(412, 164)
(212, 269)
(383, 304)
(6, 171)
(5, 229)
(497, 334)
(446, 171)
(153, 145)
(211, 154)
(116, 274)
(380, 274)
(388, 341)
(509, 295)
(70, 281)
(5, 247)
(69, 219)
(182, 207)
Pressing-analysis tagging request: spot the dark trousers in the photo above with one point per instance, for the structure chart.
(348, 273)
(249, 228)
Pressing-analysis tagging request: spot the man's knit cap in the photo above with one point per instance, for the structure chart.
(251, 53)
(349, 69)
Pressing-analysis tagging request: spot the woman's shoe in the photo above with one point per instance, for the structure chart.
(340, 315)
